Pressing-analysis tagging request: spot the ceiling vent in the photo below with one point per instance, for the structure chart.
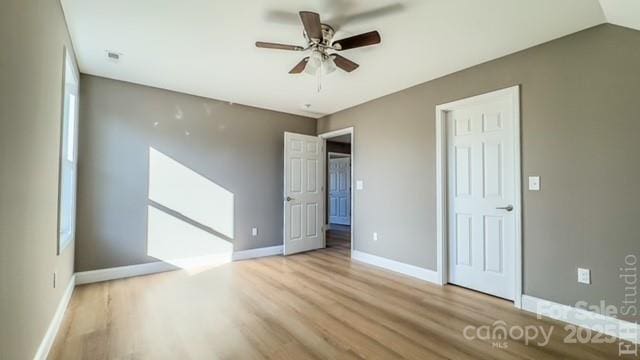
(113, 56)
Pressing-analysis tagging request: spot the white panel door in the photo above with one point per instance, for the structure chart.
(481, 195)
(340, 190)
(303, 193)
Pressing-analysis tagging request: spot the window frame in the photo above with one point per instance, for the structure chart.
(68, 169)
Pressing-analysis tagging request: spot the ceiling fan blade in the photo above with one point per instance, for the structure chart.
(311, 22)
(370, 38)
(269, 45)
(299, 67)
(344, 63)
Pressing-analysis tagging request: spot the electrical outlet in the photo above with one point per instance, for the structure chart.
(375, 236)
(254, 231)
(584, 276)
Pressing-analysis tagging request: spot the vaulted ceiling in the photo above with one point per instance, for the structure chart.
(206, 47)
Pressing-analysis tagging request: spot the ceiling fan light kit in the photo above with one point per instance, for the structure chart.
(319, 37)
(315, 62)
(328, 66)
(319, 61)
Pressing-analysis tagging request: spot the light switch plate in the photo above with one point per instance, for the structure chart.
(534, 183)
(375, 236)
(254, 231)
(359, 184)
(584, 276)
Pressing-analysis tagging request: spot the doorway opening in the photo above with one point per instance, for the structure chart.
(338, 185)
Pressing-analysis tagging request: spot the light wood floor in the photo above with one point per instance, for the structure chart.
(316, 305)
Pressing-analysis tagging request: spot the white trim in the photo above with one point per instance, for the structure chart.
(441, 196)
(337, 155)
(256, 253)
(621, 329)
(399, 267)
(517, 201)
(120, 272)
(334, 133)
(68, 169)
(54, 326)
(441, 184)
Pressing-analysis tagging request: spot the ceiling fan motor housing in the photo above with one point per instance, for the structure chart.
(327, 36)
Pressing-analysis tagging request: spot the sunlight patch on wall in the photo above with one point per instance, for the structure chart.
(184, 191)
(184, 245)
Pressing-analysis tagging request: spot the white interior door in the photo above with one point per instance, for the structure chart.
(481, 195)
(340, 190)
(303, 193)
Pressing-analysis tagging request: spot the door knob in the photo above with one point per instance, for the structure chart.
(508, 207)
(290, 198)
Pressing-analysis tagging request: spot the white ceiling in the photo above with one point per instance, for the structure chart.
(206, 47)
(622, 12)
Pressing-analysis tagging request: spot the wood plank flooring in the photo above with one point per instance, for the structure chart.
(316, 305)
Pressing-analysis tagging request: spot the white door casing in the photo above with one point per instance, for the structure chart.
(303, 193)
(351, 132)
(339, 189)
(482, 194)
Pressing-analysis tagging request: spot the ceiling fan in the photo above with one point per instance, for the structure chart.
(319, 38)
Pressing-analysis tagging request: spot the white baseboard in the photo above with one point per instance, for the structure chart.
(52, 330)
(121, 272)
(200, 262)
(406, 269)
(87, 277)
(259, 252)
(587, 319)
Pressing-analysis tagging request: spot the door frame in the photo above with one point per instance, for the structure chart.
(324, 137)
(338, 155)
(442, 191)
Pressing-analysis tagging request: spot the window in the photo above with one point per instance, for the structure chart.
(68, 155)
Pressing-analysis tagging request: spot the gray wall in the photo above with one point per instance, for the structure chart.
(238, 147)
(32, 34)
(580, 133)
